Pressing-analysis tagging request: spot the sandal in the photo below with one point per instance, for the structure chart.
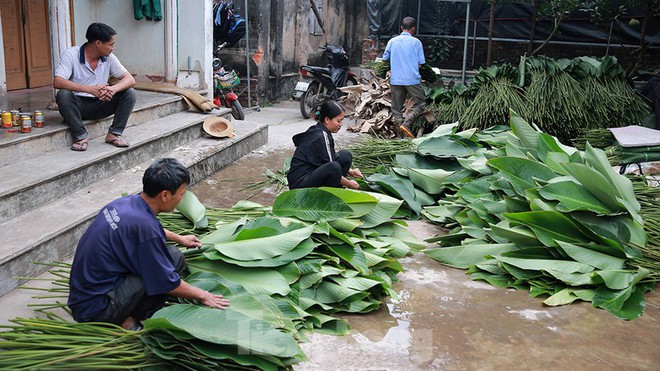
(406, 132)
(117, 143)
(79, 146)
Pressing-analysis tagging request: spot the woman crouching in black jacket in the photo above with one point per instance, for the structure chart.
(315, 162)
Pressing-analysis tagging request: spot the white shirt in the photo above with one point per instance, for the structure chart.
(74, 67)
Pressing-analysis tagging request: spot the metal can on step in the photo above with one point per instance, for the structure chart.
(16, 117)
(26, 123)
(38, 119)
(6, 119)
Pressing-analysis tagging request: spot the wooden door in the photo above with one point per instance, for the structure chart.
(37, 43)
(14, 44)
(26, 36)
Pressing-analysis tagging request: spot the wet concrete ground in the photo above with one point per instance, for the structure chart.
(443, 320)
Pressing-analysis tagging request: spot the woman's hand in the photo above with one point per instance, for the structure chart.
(355, 173)
(352, 184)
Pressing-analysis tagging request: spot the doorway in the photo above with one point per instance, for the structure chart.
(26, 38)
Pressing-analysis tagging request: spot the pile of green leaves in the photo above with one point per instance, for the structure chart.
(285, 269)
(527, 212)
(550, 219)
(324, 250)
(434, 168)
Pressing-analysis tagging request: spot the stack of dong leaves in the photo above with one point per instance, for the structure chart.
(285, 270)
(525, 211)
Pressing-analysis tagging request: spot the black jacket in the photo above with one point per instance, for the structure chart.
(314, 148)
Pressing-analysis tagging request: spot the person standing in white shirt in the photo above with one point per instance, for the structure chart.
(406, 55)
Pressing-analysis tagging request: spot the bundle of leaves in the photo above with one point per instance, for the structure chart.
(556, 101)
(371, 153)
(497, 91)
(598, 138)
(318, 252)
(448, 105)
(252, 333)
(381, 68)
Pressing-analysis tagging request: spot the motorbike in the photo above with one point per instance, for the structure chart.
(224, 80)
(321, 83)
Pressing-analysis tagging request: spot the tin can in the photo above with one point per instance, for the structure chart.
(38, 119)
(26, 123)
(7, 120)
(16, 117)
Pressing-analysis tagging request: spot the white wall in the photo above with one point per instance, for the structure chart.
(140, 44)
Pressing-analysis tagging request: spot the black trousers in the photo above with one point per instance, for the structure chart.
(129, 298)
(328, 174)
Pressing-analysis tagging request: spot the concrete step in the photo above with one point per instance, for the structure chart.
(50, 231)
(55, 135)
(29, 183)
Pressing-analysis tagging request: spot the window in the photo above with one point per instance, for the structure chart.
(314, 26)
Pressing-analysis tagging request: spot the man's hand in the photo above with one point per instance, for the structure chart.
(97, 91)
(187, 291)
(355, 173)
(189, 241)
(215, 301)
(106, 93)
(186, 241)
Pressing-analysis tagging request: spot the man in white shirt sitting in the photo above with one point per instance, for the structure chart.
(84, 93)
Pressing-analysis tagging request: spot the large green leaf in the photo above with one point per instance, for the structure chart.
(572, 197)
(228, 327)
(443, 147)
(466, 255)
(300, 251)
(597, 159)
(522, 172)
(430, 180)
(311, 204)
(519, 235)
(329, 292)
(399, 187)
(596, 184)
(361, 202)
(254, 280)
(549, 226)
(527, 135)
(565, 266)
(352, 255)
(193, 209)
(266, 247)
(569, 295)
(588, 256)
(614, 300)
(383, 212)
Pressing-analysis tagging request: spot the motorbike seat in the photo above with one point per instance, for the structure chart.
(320, 70)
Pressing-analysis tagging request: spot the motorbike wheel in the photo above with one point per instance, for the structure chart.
(310, 99)
(237, 110)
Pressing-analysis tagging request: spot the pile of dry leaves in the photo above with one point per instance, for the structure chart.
(370, 104)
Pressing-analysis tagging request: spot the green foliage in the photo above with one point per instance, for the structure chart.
(527, 212)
